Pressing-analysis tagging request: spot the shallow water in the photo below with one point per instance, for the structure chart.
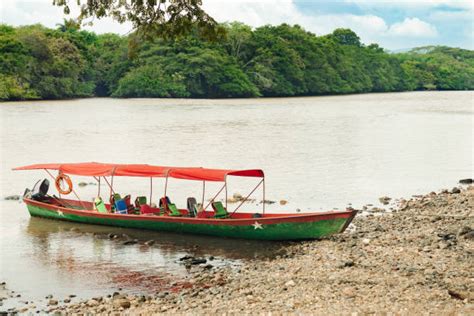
(317, 152)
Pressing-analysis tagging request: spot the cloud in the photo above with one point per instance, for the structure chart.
(371, 28)
(405, 23)
(413, 27)
(412, 4)
(25, 12)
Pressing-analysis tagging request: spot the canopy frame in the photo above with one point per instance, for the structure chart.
(98, 170)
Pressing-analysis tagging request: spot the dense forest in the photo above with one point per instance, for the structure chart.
(41, 63)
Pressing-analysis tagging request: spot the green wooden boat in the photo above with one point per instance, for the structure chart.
(195, 219)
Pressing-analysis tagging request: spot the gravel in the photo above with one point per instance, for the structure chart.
(417, 258)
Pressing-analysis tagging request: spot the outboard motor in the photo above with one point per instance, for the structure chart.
(41, 194)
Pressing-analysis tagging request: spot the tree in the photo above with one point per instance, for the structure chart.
(345, 37)
(166, 18)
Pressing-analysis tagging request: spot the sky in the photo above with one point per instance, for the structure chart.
(394, 25)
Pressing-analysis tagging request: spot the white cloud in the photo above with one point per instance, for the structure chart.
(25, 12)
(370, 27)
(413, 27)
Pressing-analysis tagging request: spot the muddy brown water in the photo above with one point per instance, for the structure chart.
(318, 153)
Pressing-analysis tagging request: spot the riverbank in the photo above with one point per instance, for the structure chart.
(416, 258)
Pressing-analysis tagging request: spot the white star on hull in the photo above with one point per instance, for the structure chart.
(60, 213)
(257, 225)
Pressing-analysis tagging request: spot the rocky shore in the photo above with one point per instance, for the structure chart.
(416, 258)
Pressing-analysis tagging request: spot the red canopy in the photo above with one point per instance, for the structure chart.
(204, 174)
(142, 170)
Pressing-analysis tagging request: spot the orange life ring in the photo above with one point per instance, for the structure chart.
(59, 180)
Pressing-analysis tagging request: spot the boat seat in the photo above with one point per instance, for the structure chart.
(42, 194)
(173, 210)
(192, 207)
(120, 207)
(130, 206)
(100, 205)
(219, 210)
(139, 201)
(169, 208)
(113, 199)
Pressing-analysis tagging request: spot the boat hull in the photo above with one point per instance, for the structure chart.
(291, 227)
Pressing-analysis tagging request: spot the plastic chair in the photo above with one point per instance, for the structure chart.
(120, 207)
(192, 207)
(219, 210)
(100, 205)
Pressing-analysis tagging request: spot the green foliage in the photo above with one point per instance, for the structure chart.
(439, 67)
(151, 18)
(41, 63)
(151, 82)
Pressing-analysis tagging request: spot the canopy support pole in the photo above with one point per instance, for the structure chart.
(225, 183)
(151, 188)
(110, 186)
(166, 183)
(203, 192)
(263, 189)
(246, 198)
(210, 202)
(98, 184)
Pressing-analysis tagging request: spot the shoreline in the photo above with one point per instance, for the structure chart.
(232, 98)
(417, 258)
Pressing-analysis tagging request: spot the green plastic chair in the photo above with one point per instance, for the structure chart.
(139, 201)
(173, 210)
(100, 205)
(219, 210)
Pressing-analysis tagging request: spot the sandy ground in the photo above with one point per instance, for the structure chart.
(415, 259)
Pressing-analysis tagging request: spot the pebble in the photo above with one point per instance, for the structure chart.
(92, 303)
(53, 302)
(385, 200)
(149, 242)
(290, 283)
(380, 266)
(122, 302)
(130, 242)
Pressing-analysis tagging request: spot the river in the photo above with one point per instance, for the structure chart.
(318, 153)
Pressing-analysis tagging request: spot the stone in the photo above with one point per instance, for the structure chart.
(196, 261)
(53, 302)
(464, 230)
(455, 190)
(469, 235)
(149, 242)
(82, 184)
(466, 181)
(92, 303)
(283, 202)
(67, 300)
(130, 242)
(12, 198)
(366, 241)
(290, 283)
(122, 302)
(385, 200)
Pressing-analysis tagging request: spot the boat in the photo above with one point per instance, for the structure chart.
(211, 217)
